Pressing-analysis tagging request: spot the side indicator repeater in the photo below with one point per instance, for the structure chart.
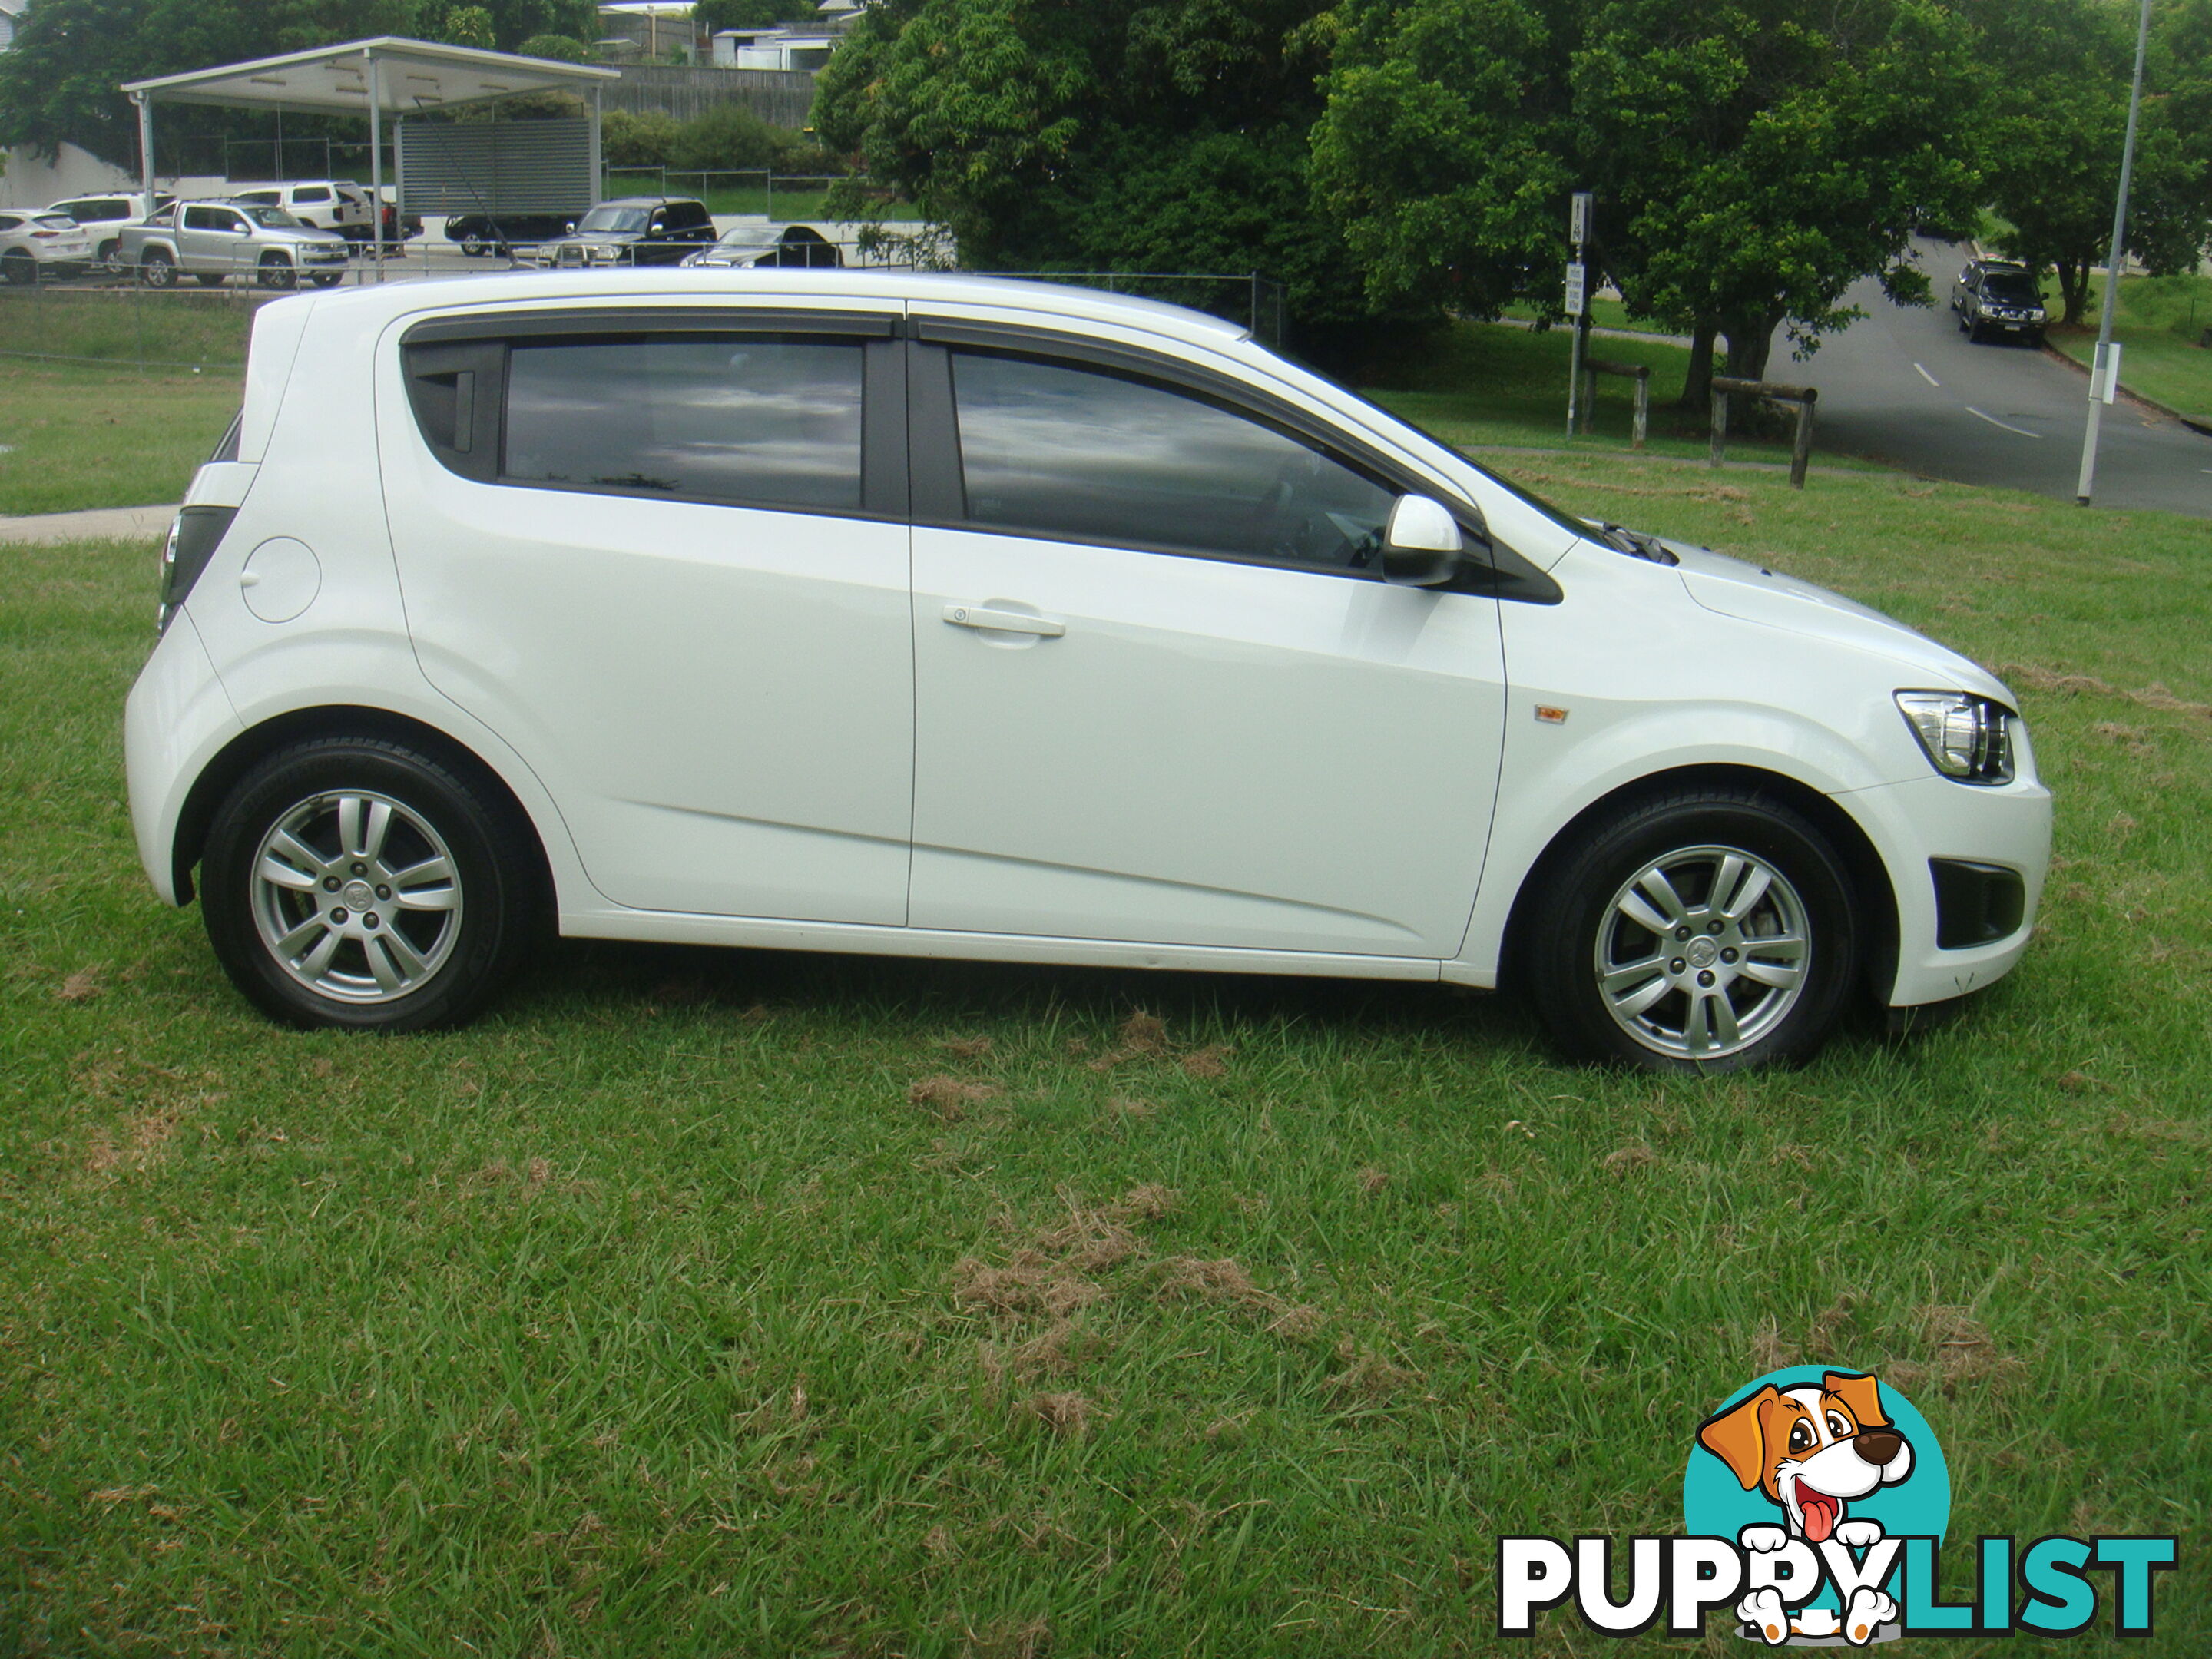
(1548, 716)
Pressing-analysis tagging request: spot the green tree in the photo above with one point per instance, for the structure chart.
(2057, 121)
(1119, 135)
(1751, 159)
(713, 15)
(561, 48)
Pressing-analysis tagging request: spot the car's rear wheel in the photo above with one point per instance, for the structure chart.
(19, 269)
(1694, 933)
(275, 271)
(327, 278)
(358, 884)
(156, 269)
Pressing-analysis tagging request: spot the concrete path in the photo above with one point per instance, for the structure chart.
(102, 524)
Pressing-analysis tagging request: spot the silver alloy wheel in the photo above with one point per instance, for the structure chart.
(1703, 952)
(356, 896)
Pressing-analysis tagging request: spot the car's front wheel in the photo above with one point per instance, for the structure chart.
(356, 883)
(275, 271)
(1694, 933)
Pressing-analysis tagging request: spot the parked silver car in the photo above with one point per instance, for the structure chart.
(216, 240)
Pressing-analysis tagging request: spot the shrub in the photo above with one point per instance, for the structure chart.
(627, 139)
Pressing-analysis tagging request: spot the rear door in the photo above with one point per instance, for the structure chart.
(665, 555)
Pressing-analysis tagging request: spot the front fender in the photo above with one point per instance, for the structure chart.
(1542, 765)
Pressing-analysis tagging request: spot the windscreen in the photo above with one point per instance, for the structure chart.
(2012, 289)
(612, 218)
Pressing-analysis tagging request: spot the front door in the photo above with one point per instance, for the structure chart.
(656, 569)
(1161, 694)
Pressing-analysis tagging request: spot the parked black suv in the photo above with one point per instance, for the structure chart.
(633, 230)
(1998, 297)
(479, 233)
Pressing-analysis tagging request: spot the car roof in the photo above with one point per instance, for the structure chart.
(646, 201)
(861, 289)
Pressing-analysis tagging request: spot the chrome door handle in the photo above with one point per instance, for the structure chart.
(1003, 622)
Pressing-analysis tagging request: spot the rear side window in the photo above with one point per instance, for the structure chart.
(1053, 450)
(9, 221)
(762, 419)
(767, 419)
(311, 193)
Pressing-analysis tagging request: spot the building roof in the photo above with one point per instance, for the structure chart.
(415, 75)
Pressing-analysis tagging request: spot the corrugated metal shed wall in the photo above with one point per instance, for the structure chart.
(496, 167)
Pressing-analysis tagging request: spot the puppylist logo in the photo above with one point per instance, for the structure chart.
(1815, 1506)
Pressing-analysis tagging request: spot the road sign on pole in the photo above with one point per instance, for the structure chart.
(1578, 230)
(1577, 288)
(1578, 219)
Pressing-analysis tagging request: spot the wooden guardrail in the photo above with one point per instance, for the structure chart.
(1805, 397)
(1594, 366)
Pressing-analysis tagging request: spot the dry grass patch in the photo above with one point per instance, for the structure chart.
(950, 1098)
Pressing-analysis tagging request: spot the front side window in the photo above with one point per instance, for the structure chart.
(1053, 450)
(767, 419)
(274, 217)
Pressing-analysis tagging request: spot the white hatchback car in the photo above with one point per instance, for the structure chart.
(942, 616)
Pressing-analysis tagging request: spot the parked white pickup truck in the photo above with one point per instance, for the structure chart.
(214, 241)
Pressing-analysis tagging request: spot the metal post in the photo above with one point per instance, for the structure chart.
(599, 165)
(376, 158)
(145, 143)
(2112, 269)
(1720, 429)
(1642, 410)
(1574, 378)
(1801, 453)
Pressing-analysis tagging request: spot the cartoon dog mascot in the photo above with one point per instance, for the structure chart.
(1811, 1451)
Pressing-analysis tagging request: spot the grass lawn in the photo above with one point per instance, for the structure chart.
(101, 430)
(1604, 313)
(2159, 323)
(739, 1302)
(83, 435)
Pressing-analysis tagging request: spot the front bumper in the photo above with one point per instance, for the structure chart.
(1926, 829)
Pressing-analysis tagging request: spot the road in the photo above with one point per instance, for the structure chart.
(1906, 386)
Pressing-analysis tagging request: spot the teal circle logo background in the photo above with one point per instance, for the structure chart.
(1715, 1506)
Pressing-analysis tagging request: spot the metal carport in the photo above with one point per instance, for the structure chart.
(380, 77)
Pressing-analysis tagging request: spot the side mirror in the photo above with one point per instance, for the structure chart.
(1421, 545)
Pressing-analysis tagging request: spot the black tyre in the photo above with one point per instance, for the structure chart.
(473, 246)
(19, 269)
(1974, 330)
(1700, 932)
(157, 270)
(327, 278)
(208, 278)
(275, 271)
(356, 883)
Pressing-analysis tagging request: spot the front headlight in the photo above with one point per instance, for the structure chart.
(1966, 738)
